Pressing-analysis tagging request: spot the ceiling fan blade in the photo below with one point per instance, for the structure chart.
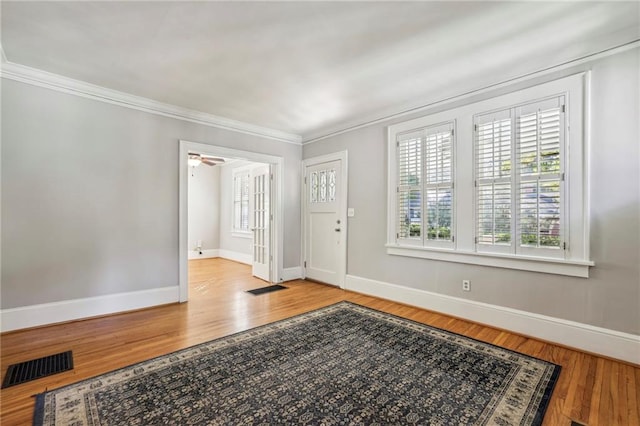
(214, 159)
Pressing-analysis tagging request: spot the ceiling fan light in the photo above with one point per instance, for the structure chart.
(194, 162)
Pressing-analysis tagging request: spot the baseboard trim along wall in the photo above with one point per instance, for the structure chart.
(290, 274)
(206, 254)
(597, 340)
(235, 256)
(69, 310)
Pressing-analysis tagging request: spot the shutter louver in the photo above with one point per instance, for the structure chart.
(438, 182)
(409, 154)
(493, 174)
(540, 178)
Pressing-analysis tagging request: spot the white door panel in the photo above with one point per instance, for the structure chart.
(325, 233)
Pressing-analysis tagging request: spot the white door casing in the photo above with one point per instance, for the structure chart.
(260, 222)
(276, 202)
(324, 218)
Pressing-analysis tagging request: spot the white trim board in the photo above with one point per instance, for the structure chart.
(277, 229)
(206, 254)
(236, 256)
(597, 340)
(47, 80)
(69, 310)
(290, 274)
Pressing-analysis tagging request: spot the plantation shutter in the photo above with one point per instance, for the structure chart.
(519, 179)
(438, 181)
(409, 190)
(540, 141)
(494, 186)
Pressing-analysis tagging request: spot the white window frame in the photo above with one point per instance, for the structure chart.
(575, 262)
(240, 172)
(424, 186)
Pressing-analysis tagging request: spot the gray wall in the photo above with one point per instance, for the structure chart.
(204, 207)
(90, 195)
(609, 298)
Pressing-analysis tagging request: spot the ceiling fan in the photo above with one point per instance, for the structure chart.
(196, 159)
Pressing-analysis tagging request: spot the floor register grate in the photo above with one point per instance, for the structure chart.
(37, 368)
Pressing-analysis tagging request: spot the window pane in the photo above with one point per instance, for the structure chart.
(494, 213)
(409, 214)
(314, 187)
(437, 158)
(438, 213)
(540, 213)
(539, 142)
(493, 149)
(409, 169)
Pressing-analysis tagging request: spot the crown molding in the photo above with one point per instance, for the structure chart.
(36, 77)
(408, 109)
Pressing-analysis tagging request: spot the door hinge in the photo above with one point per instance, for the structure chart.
(475, 127)
(562, 108)
(476, 240)
(453, 238)
(475, 183)
(562, 177)
(564, 246)
(305, 263)
(271, 176)
(305, 180)
(452, 132)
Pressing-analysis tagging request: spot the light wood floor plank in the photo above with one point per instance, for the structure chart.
(591, 390)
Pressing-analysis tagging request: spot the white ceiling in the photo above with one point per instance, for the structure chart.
(306, 67)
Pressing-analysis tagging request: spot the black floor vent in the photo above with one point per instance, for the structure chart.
(268, 289)
(37, 368)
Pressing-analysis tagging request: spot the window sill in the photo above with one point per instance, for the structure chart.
(573, 268)
(242, 234)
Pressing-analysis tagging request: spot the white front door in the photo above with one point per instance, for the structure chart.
(325, 227)
(260, 208)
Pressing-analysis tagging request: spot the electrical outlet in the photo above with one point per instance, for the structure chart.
(466, 285)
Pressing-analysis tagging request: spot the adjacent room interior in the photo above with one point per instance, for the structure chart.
(441, 198)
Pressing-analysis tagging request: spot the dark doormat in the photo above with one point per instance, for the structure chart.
(268, 289)
(37, 368)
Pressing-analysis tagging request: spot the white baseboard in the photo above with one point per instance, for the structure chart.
(290, 274)
(610, 343)
(206, 254)
(234, 255)
(69, 310)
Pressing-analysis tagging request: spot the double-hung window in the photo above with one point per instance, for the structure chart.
(241, 201)
(499, 182)
(424, 201)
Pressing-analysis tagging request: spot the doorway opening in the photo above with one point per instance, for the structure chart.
(230, 204)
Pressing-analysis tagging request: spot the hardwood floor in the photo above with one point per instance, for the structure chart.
(591, 390)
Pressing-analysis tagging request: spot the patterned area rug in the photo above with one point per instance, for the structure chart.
(344, 364)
